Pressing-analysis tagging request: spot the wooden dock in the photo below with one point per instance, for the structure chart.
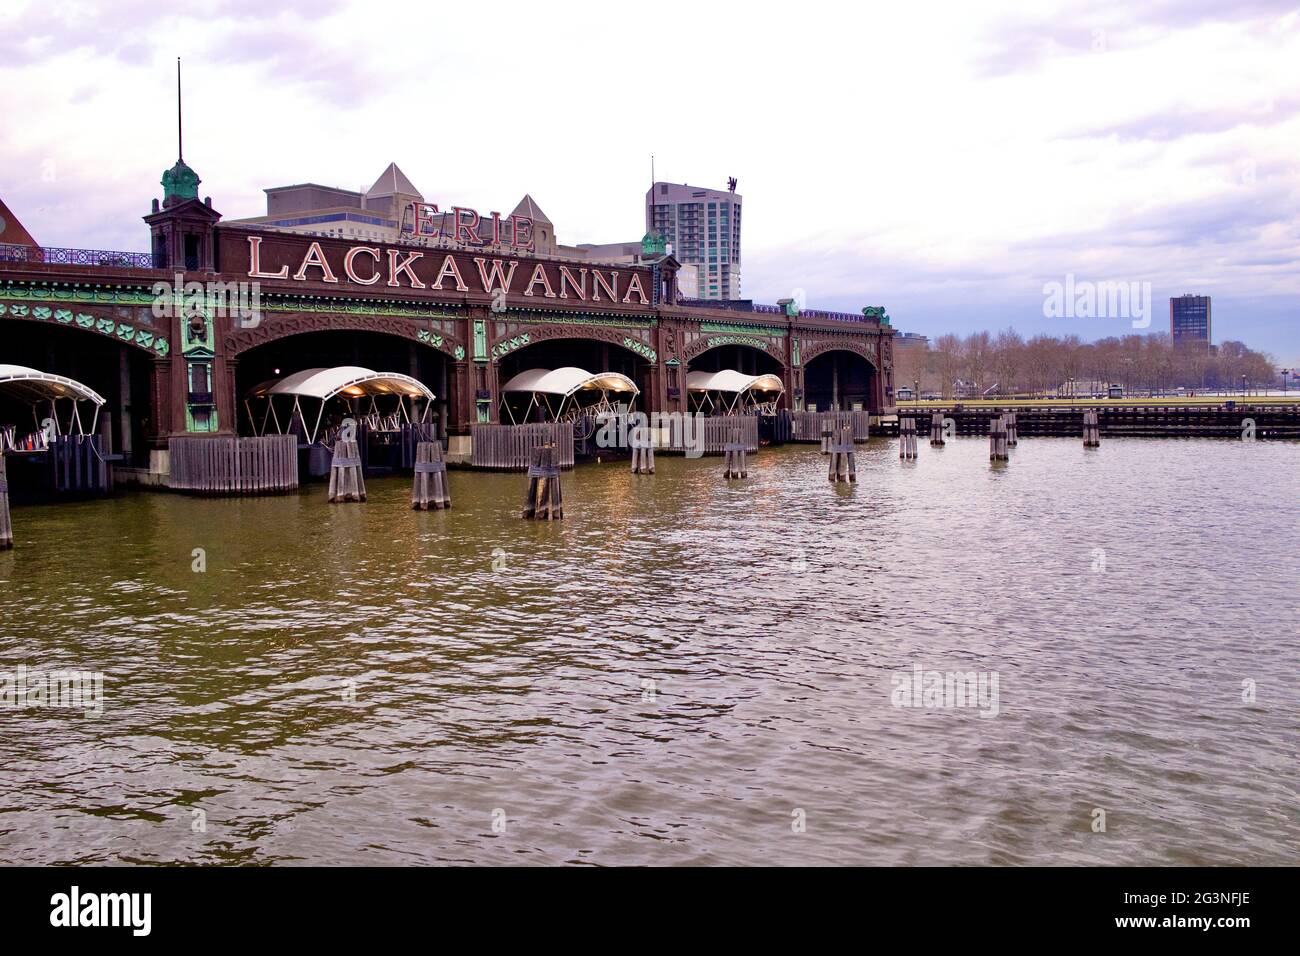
(1221, 420)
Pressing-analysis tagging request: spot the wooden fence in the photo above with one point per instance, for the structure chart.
(808, 426)
(715, 432)
(226, 465)
(509, 447)
(79, 466)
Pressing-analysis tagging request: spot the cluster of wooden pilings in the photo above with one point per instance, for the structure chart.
(347, 483)
(936, 429)
(1091, 429)
(735, 452)
(429, 488)
(907, 438)
(842, 466)
(545, 501)
(643, 453)
(998, 439)
(6, 528)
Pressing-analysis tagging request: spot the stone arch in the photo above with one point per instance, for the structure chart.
(706, 343)
(525, 335)
(862, 349)
(93, 320)
(275, 327)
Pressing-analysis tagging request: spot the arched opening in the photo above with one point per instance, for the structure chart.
(839, 380)
(742, 358)
(387, 442)
(120, 373)
(739, 358)
(587, 354)
(328, 349)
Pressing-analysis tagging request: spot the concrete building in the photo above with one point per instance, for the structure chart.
(703, 228)
(1189, 319)
(384, 213)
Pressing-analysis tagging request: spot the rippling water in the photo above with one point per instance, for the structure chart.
(684, 670)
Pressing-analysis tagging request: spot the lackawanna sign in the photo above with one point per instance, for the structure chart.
(302, 259)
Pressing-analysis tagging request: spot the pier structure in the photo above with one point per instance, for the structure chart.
(178, 338)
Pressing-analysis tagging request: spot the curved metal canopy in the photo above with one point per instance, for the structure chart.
(566, 381)
(33, 385)
(350, 380)
(729, 380)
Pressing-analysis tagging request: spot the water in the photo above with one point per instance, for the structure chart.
(676, 670)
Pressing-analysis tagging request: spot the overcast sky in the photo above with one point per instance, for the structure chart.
(943, 160)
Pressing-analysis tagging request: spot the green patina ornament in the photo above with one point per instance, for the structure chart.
(653, 244)
(180, 182)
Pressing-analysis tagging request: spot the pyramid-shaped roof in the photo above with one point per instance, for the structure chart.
(392, 181)
(528, 208)
(11, 230)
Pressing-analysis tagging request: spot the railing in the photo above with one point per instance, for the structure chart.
(50, 255)
(763, 309)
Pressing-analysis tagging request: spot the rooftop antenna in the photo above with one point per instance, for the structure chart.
(180, 139)
(649, 206)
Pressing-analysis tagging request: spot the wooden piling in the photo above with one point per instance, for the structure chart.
(6, 528)
(430, 485)
(907, 438)
(828, 436)
(936, 429)
(346, 481)
(998, 439)
(735, 452)
(1013, 433)
(1091, 429)
(545, 501)
(643, 452)
(842, 465)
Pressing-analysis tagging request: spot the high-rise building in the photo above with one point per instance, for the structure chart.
(703, 226)
(1189, 319)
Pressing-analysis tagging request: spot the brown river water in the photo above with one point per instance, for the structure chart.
(682, 671)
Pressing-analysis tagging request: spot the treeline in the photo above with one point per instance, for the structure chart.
(1046, 364)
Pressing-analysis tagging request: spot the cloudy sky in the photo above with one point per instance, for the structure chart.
(943, 160)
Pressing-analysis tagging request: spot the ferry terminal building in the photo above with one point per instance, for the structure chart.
(462, 317)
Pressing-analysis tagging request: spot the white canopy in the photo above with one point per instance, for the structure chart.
(729, 380)
(566, 381)
(351, 380)
(33, 385)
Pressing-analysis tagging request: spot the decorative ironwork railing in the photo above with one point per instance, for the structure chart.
(50, 255)
(779, 310)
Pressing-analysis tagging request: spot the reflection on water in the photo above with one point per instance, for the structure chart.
(677, 669)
